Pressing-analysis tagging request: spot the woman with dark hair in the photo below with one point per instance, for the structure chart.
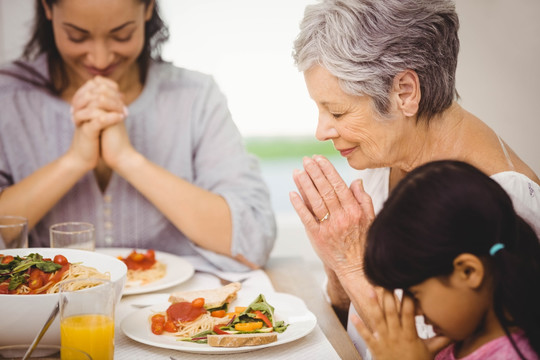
(96, 127)
(382, 74)
(449, 236)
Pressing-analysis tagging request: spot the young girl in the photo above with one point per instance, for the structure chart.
(450, 238)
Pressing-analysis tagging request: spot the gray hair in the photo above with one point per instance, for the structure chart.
(366, 43)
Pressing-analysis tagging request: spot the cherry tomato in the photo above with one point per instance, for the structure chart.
(35, 273)
(218, 313)
(135, 256)
(4, 288)
(150, 255)
(60, 260)
(157, 328)
(160, 318)
(170, 327)
(35, 283)
(198, 302)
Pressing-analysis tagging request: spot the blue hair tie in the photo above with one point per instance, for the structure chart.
(495, 248)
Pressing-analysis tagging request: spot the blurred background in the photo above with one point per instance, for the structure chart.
(247, 44)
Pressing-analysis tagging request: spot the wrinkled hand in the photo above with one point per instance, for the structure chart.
(393, 334)
(96, 106)
(340, 238)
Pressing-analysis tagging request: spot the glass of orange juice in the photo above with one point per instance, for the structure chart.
(87, 316)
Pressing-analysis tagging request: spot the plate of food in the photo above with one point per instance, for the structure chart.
(150, 270)
(221, 321)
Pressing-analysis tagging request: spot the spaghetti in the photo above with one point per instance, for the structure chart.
(185, 319)
(205, 322)
(143, 268)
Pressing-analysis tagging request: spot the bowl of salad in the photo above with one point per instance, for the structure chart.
(29, 287)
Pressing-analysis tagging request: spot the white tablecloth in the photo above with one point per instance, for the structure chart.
(313, 346)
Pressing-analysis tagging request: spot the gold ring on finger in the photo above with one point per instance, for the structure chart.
(325, 217)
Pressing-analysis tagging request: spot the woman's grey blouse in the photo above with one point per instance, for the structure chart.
(180, 122)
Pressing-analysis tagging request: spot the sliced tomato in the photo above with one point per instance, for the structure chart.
(184, 311)
(4, 288)
(59, 273)
(7, 259)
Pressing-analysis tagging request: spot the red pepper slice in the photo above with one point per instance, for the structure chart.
(218, 331)
(264, 318)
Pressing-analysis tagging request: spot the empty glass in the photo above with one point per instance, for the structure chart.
(73, 235)
(13, 232)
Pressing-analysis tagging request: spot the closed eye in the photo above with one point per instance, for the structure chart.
(77, 39)
(123, 39)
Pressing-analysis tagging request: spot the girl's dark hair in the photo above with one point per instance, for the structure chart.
(42, 42)
(443, 209)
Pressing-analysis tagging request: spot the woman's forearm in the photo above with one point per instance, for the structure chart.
(338, 296)
(35, 195)
(204, 217)
(359, 290)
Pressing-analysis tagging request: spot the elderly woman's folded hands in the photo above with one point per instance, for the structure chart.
(334, 215)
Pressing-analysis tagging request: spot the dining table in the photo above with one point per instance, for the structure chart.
(281, 275)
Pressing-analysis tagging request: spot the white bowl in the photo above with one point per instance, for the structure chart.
(22, 316)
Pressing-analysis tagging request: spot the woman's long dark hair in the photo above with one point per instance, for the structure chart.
(443, 209)
(42, 42)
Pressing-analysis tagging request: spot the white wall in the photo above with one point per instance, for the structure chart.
(15, 18)
(499, 71)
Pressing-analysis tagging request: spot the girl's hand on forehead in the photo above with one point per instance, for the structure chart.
(392, 333)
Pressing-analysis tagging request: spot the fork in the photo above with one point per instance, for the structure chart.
(222, 280)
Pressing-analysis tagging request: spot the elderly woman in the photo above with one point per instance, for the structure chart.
(382, 74)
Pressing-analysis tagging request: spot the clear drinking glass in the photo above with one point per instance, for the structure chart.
(87, 316)
(13, 232)
(74, 235)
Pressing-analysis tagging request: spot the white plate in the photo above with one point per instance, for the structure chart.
(178, 270)
(287, 307)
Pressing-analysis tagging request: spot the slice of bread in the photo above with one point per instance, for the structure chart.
(237, 340)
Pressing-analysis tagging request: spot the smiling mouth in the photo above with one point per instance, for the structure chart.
(102, 72)
(346, 152)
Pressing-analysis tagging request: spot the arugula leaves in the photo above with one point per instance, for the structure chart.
(16, 270)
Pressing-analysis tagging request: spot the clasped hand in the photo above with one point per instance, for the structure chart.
(336, 216)
(98, 112)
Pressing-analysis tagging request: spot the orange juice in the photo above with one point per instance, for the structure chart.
(92, 333)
